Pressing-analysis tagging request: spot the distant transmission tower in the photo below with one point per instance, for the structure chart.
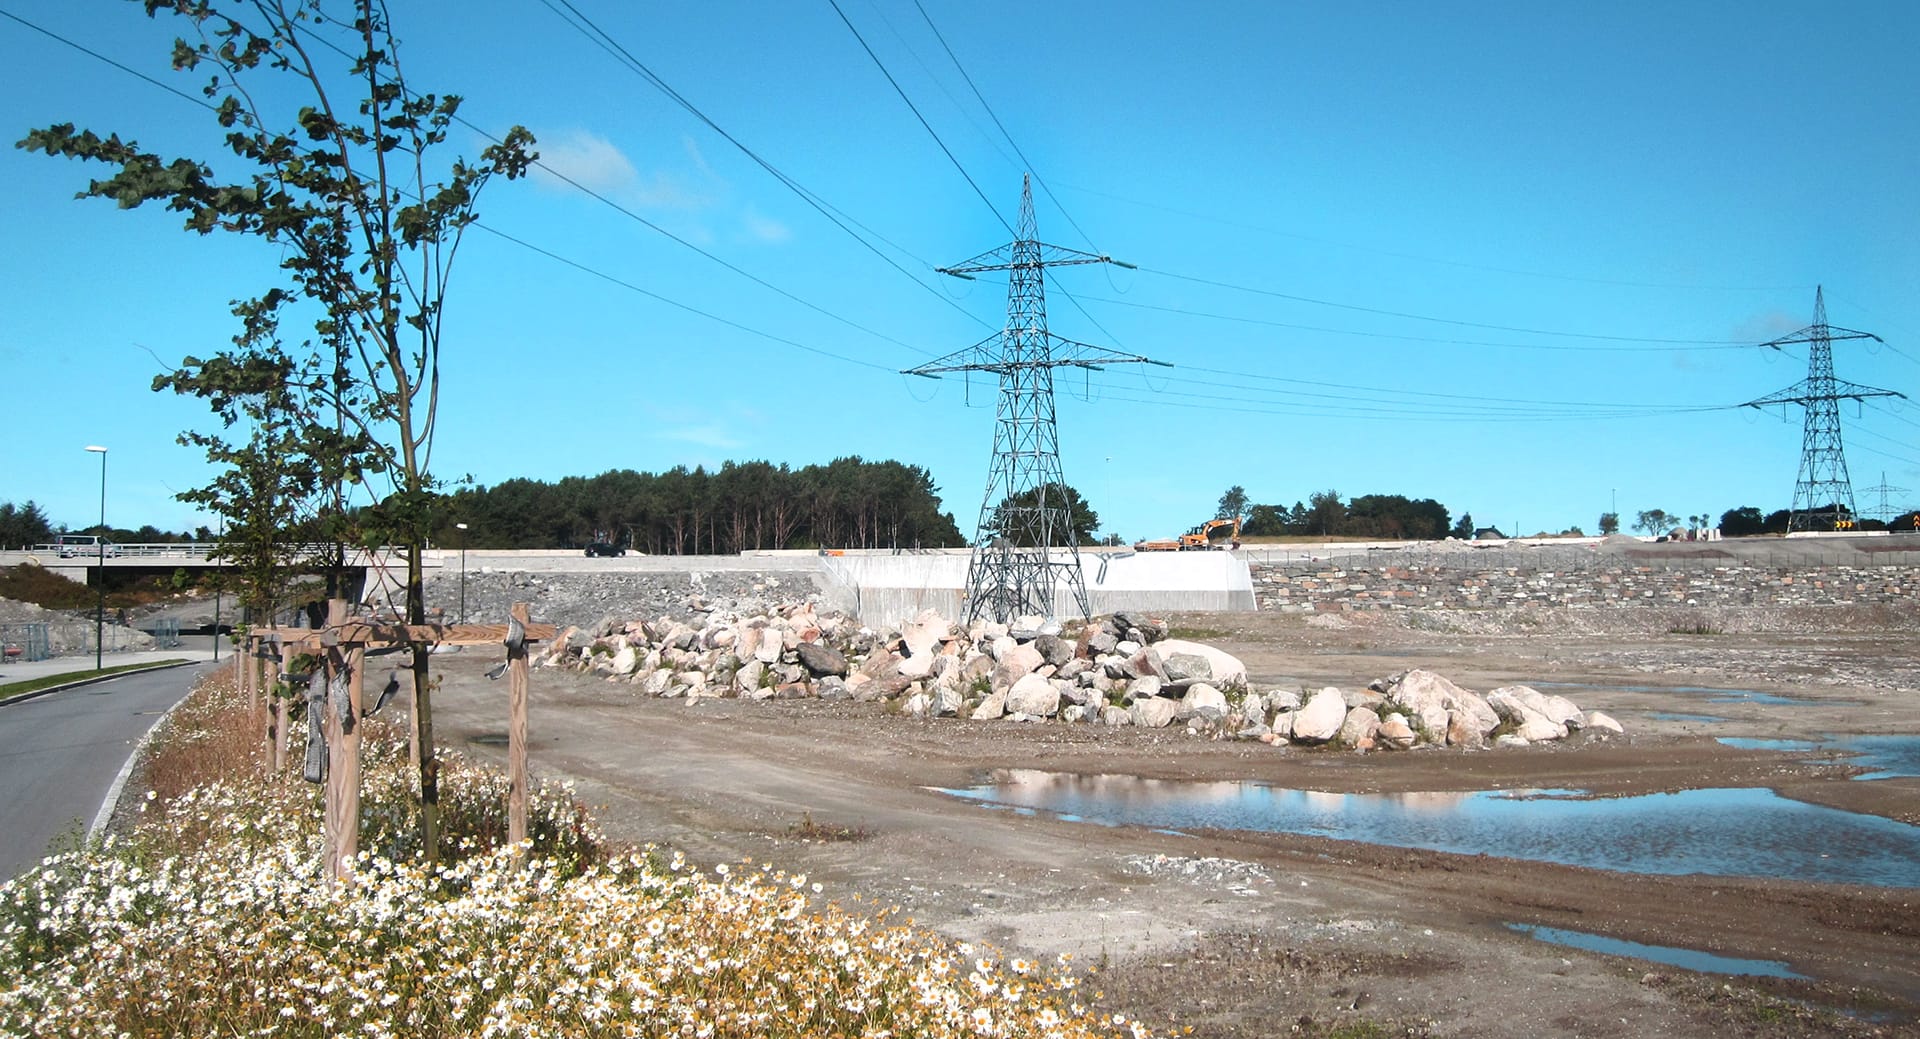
(1886, 511)
(1823, 494)
(1024, 543)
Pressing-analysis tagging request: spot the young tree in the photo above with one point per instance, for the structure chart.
(1609, 523)
(1325, 513)
(1233, 504)
(368, 231)
(1464, 528)
(1052, 495)
(1653, 521)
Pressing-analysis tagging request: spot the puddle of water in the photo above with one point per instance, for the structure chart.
(1754, 696)
(1759, 743)
(1685, 959)
(1673, 716)
(1890, 757)
(1730, 832)
(1884, 757)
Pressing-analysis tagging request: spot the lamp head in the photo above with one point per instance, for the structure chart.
(96, 449)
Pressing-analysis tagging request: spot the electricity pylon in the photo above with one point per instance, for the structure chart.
(1025, 544)
(1886, 511)
(1823, 493)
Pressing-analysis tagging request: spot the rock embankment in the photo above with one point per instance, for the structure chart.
(1122, 670)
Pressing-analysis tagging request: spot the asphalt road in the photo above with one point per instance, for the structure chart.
(59, 754)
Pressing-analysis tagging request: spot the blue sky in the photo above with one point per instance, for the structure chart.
(1638, 171)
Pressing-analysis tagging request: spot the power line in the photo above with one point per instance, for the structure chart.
(689, 308)
(1425, 317)
(605, 41)
(1238, 404)
(1430, 259)
(1025, 162)
(577, 265)
(916, 114)
(1187, 312)
(1397, 395)
(168, 87)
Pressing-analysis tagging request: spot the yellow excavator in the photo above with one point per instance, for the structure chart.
(1200, 540)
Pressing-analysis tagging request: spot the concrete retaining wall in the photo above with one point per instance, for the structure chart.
(891, 589)
(1336, 587)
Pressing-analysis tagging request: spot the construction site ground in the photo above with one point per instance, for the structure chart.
(1243, 934)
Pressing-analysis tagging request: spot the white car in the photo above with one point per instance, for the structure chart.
(78, 545)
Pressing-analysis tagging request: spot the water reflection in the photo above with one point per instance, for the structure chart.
(1732, 832)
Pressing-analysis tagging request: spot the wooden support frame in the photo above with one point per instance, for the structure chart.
(342, 648)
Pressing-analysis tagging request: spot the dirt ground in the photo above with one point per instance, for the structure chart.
(1243, 934)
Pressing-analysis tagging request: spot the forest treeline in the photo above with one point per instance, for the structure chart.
(740, 507)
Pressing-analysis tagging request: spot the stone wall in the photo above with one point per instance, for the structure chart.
(1336, 586)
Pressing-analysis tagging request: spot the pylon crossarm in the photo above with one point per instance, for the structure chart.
(981, 356)
(1815, 333)
(1074, 352)
(1855, 391)
(1004, 259)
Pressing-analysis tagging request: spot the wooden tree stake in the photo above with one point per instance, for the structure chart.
(517, 683)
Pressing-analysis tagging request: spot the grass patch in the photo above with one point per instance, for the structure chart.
(33, 685)
(1696, 628)
(808, 830)
(1194, 633)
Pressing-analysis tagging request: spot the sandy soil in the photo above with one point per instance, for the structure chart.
(1239, 934)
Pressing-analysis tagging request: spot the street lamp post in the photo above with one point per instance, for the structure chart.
(462, 528)
(100, 610)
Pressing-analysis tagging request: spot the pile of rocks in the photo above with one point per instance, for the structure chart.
(1123, 670)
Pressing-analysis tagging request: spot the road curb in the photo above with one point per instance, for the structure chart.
(77, 683)
(111, 802)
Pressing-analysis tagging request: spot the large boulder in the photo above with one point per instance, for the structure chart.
(1394, 733)
(1187, 667)
(1035, 696)
(1556, 709)
(1463, 730)
(1226, 669)
(822, 660)
(1526, 723)
(992, 708)
(1154, 712)
(1358, 727)
(923, 634)
(1015, 664)
(1201, 696)
(1427, 695)
(1145, 687)
(626, 661)
(1054, 649)
(1115, 716)
(1321, 718)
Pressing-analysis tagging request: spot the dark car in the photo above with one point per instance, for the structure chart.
(603, 548)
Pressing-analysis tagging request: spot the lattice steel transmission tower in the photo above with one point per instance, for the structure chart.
(1823, 493)
(1024, 544)
(1886, 512)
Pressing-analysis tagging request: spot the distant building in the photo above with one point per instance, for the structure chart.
(1489, 534)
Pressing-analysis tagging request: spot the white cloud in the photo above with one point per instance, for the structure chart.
(587, 159)
(764, 228)
(1767, 325)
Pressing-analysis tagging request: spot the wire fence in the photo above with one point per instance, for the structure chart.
(1785, 555)
(25, 641)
